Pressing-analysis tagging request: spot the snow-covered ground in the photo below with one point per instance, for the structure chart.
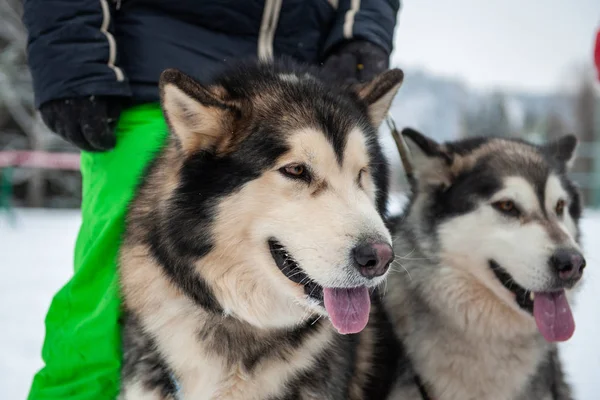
(36, 260)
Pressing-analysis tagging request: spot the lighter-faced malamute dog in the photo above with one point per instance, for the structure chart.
(488, 249)
(256, 240)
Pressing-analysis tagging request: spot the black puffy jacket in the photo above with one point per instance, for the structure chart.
(120, 47)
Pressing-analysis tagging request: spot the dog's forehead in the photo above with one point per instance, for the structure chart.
(555, 189)
(304, 113)
(314, 146)
(506, 158)
(302, 110)
(522, 162)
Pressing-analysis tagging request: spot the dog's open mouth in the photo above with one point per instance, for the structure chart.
(348, 308)
(290, 268)
(524, 297)
(551, 310)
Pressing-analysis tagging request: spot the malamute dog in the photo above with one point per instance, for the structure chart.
(487, 252)
(257, 239)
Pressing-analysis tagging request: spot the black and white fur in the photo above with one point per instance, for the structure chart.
(465, 334)
(206, 299)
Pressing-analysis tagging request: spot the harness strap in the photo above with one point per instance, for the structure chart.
(403, 150)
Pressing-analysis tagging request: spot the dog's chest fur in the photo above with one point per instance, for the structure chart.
(457, 365)
(455, 368)
(215, 356)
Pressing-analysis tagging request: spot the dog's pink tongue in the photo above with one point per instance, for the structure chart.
(553, 316)
(348, 309)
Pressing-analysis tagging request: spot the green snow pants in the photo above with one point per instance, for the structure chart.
(82, 347)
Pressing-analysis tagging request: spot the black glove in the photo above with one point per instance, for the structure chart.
(356, 61)
(87, 122)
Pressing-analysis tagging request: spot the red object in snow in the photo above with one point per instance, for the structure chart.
(597, 54)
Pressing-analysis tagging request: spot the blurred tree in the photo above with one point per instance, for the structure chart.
(555, 126)
(489, 119)
(499, 123)
(585, 110)
(20, 126)
(530, 122)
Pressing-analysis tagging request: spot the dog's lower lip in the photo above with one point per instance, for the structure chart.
(290, 268)
(524, 297)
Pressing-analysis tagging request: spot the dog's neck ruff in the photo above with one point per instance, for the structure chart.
(425, 394)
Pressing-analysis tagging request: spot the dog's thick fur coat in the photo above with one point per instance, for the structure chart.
(266, 154)
(477, 204)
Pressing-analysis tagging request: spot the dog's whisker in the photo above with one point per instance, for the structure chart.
(403, 267)
(305, 280)
(409, 253)
(294, 274)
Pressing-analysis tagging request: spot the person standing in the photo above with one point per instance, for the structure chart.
(95, 67)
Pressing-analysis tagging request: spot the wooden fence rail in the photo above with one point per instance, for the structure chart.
(39, 159)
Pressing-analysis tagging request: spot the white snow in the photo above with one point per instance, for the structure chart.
(36, 260)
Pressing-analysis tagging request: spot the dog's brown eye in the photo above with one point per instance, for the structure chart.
(296, 171)
(507, 207)
(560, 208)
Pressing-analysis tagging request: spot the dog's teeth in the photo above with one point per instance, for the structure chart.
(531, 296)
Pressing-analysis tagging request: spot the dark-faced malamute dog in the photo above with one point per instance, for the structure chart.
(257, 238)
(489, 246)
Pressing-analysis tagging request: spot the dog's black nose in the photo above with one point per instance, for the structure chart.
(568, 263)
(373, 259)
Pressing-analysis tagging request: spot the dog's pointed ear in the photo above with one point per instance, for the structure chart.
(563, 150)
(199, 117)
(379, 93)
(430, 162)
